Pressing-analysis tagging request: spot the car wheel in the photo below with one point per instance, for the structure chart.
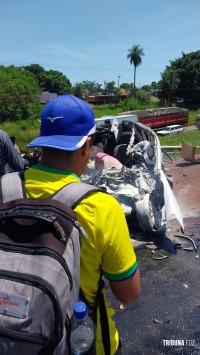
(149, 218)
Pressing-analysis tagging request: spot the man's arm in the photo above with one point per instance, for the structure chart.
(127, 291)
(119, 263)
(12, 156)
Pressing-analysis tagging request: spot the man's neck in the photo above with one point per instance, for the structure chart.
(60, 161)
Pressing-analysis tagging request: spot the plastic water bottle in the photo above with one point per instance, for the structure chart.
(82, 331)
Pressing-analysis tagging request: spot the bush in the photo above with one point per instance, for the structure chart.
(19, 94)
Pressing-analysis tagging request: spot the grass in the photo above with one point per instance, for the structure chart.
(191, 137)
(24, 131)
(192, 117)
(106, 110)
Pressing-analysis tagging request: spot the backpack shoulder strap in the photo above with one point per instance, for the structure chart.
(73, 193)
(11, 187)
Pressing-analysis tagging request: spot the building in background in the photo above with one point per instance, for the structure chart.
(47, 96)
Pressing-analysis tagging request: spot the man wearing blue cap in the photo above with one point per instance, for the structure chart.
(66, 135)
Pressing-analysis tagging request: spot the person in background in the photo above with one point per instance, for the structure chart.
(10, 158)
(66, 135)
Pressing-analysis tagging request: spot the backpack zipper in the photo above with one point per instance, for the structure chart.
(39, 251)
(15, 334)
(44, 286)
(63, 214)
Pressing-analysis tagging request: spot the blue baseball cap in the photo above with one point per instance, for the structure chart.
(66, 122)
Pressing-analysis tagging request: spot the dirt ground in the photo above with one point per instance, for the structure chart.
(186, 177)
(165, 320)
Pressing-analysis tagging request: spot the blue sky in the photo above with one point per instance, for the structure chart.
(89, 40)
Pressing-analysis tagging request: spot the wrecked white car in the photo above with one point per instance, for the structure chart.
(127, 162)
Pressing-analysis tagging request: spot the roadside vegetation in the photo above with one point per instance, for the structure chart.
(190, 137)
(24, 131)
(175, 140)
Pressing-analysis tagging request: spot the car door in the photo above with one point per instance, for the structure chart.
(172, 130)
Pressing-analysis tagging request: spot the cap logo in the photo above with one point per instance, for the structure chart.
(52, 119)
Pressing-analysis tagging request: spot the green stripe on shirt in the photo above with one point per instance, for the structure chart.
(121, 277)
(54, 171)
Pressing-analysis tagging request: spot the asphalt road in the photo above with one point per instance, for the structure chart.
(166, 318)
(190, 128)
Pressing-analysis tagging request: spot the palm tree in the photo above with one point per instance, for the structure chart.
(135, 54)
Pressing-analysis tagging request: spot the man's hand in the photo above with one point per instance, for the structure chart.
(16, 148)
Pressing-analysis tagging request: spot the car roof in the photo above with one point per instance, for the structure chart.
(174, 125)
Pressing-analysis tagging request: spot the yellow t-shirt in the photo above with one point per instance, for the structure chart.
(108, 245)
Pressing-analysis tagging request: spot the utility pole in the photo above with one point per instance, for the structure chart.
(171, 87)
(118, 80)
(170, 84)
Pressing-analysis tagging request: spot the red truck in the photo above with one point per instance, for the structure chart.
(160, 117)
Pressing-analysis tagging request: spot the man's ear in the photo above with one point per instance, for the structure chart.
(90, 140)
(86, 146)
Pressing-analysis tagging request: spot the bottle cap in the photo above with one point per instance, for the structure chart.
(80, 310)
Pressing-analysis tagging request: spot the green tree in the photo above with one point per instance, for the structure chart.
(182, 78)
(169, 85)
(78, 90)
(126, 86)
(37, 71)
(91, 86)
(110, 86)
(154, 85)
(135, 54)
(19, 94)
(56, 82)
(146, 87)
(52, 80)
(143, 96)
